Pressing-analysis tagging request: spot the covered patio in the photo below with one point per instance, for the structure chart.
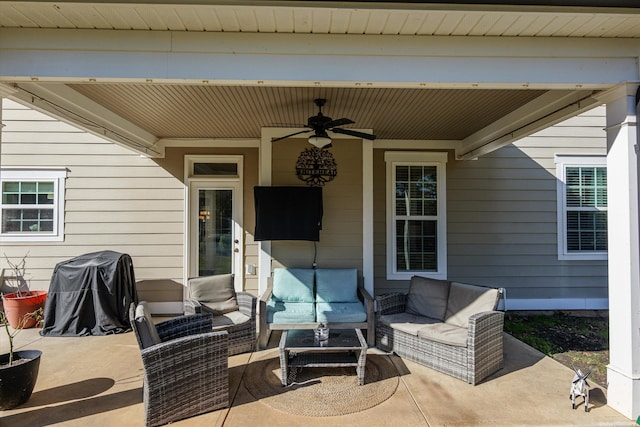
(166, 80)
(97, 380)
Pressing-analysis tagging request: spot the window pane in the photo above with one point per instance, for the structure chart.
(586, 231)
(10, 187)
(416, 243)
(587, 176)
(45, 187)
(27, 220)
(10, 199)
(573, 196)
(416, 191)
(586, 201)
(602, 240)
(27, 187)
(588, 197)
(218, 169)
(601, 177)
(29, 207)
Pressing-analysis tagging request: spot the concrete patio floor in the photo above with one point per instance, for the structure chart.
(97, 381)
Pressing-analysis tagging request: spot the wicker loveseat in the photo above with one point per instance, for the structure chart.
(301, 298)
(451, 327)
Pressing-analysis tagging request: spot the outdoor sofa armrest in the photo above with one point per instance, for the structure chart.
(483, 325)
(178, 369)
(485, 344)
(392, 303)
(370, 309)
(266, 296)
(366, 296)
(184, 325)
(247, 304)
(192, 306)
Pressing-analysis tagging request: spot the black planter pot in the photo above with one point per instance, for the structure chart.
(17, 381)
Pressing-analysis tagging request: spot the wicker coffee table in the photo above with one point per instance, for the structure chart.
(345, 347)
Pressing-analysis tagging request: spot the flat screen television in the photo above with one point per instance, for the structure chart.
(288, 213)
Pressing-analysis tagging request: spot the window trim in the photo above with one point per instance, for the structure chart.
(562, 163)
(403, 158)
(57, 176)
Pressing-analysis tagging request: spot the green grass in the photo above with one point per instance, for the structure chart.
(577, 341)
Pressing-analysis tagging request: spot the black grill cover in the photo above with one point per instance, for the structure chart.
(90, 295)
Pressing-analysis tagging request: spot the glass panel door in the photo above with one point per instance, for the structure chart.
(215, 229)
(215, 232)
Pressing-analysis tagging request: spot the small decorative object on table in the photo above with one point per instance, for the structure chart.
(321, 333)
(579, 387)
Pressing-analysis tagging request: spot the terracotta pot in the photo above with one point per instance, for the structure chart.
(17, 381)
(16, 306)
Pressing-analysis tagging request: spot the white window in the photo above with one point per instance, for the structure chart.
(416, 215)
(32, 205)
(582, 207)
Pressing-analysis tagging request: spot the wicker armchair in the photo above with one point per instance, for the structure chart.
(234, 312)
(185, 366)
(466, 342)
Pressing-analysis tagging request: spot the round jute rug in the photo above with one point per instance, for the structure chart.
(321, 392)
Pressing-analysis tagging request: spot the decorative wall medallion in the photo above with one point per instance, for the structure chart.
(316, 166)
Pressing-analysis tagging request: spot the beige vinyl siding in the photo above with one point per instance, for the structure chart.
(115, 199)
(340, 244)
(502, 216)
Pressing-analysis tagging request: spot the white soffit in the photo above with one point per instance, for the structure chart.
(327, 18)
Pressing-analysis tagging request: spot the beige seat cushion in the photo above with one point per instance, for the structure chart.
(427, 297)
(466, 300)
(216, 293)
(445, 334)
(408, 323)
(231, 318)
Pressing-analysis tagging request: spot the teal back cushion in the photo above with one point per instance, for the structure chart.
(337, 285)
(293, 284)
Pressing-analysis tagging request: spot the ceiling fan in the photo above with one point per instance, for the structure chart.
(320, 124)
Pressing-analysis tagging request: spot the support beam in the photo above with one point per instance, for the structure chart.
(314, 59)
(544, 111)
(264, 178)
(367, 216)
(60, 101)
(623, 170)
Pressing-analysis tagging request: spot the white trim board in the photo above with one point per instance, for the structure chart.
(544, 304)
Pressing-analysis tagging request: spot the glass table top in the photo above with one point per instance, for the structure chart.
(338, 338)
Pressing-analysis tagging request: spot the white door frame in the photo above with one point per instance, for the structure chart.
(195, 183)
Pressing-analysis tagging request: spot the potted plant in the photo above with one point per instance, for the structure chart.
(18, 369)
(18, 301)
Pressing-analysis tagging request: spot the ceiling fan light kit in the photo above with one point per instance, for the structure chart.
(320, 124)
(320, 141)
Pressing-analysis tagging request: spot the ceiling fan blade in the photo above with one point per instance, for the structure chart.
(354, 133)
(290, 135)
(338, 122)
